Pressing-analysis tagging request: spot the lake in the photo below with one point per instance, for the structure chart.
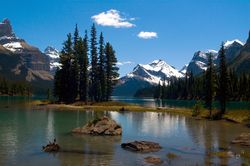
(25, 130)
(151, 102)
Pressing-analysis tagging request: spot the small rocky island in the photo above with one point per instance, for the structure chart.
(141, 146)
(100, 126)
(51, 147)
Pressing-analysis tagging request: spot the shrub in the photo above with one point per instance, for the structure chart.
(197, 108)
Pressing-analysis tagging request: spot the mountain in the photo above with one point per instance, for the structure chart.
(53, 55)
(146, 75)
(241, 64)
(184, 69)
(198, 63)
(21, 61)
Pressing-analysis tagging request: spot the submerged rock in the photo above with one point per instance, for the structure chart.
(141, 146)
(153, 160)
(171, 156)
(51, 147)
(100, 126)
(243, 139)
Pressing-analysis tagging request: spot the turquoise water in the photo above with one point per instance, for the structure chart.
(24, 130)
(150, 102)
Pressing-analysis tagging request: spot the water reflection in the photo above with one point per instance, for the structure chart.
(150, 102)
(24, 131)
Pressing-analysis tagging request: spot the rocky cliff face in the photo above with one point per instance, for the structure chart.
(241, 64)
(198, 64)
(54, 58)
(31, 56)
(6, 29)
(21, 61)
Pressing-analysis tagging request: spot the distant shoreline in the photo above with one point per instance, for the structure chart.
(236, 116)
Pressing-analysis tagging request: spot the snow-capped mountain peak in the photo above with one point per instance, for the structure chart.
(228, 43)
(52, 52)
(154, 72)
(54, 57)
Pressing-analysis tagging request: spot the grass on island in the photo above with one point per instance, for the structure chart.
(239, 116)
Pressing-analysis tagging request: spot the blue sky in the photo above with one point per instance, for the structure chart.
(178, 27)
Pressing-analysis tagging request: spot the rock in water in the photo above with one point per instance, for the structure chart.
(141, 146)
(51, 147)
(243, 139)
(100, 126)
(153, 160)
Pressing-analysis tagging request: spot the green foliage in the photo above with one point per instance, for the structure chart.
(95, 84)
(210, 84)
(111, 69)
(223, 80)
(197, 108)
(83, 67)
(74, 81)
(14, 88)
(102, 69)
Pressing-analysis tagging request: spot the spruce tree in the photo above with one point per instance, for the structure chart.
(74, 67)
(95, 88)
(57, 90)
(65, 60)
(102, 71)
(83, 64)
(223, 80)
(111, 69)
(210, 84)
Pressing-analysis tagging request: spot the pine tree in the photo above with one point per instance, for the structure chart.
(95, 88)
(102, 72)
(158, 92)
(74, 67)
(57, 90)
(210, 84)
(63, 75)
(83, 63)
(223, 81)
(111, 69)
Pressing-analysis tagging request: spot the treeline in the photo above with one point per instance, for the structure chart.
(82, 79)
(14, 88)
(219, 83)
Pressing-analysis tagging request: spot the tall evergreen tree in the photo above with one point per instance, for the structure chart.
(210, 84)
(83, 64)
(95, 88)
(111, 69)
(157, 92)
(74, 68)
(102, 71)
(58, 91)
(223, 80)
(64, 73)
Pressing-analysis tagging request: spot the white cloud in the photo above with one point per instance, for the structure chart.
(113, 18)
(147, 35)
(124, 63)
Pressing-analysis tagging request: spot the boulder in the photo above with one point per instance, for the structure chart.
(141, 146)
(243, 139)
(153, 160)
(100, 126)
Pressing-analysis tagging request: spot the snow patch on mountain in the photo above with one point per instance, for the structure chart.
(54, 57)
(228, 43)
(52, 52)
(154, 72)
(184, 69)
(13, 46)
